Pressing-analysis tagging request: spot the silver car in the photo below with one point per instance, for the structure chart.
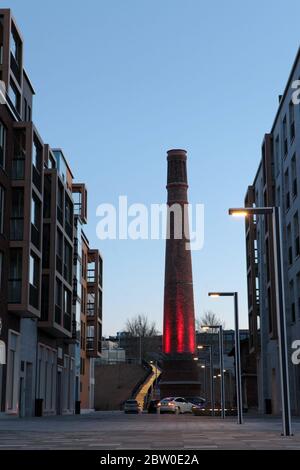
(174, 405)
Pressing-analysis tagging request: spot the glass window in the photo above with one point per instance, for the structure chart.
(33, 271)
(17, 214)
(2, 145)
(67, 302)
(14, 46)
(58, 293)
(35, 212)
(37, 155)
(14, 96)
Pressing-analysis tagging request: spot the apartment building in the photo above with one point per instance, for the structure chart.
(87, 303)
(277, 183)
(41, 208)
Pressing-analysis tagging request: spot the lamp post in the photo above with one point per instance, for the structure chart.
(280, 306)
(212, 399)
(221, 352)
(238, 374)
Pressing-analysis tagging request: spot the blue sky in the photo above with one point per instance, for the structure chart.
(119, 82)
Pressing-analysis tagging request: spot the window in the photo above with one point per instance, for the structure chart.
(2, 145)
(34, 271)
(77, 197)
(294, 177)
(284, 136)
(296, 234)
(14, 96)
(17, 214)
(298, 292)
(35, 212)
(69, 217)
(58, 302)
(287, 189)
(289, 243)
(15, 46)
(37, 155)
(2, 193)
(82, 366)
(59, 251)
(292, 302)
(67, 309)
(18, 163)
(25, 109)
(91, 304)
(58, 293)
(292, 120)
(15, 276)
(67, 302)
(277, 155)
(68, 263)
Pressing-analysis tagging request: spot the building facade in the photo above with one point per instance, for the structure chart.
(276, 184)
(41, 208)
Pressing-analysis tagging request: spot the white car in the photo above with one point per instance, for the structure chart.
(174, 405)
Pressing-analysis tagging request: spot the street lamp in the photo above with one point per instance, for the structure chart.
(238, 374)
(280, 306)
(212, 399)
(221, 351)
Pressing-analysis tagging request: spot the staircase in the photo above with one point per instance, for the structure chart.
(147, 385)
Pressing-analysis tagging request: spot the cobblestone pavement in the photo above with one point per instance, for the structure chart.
(115, 430)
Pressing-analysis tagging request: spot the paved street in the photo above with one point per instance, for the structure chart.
(114, 430)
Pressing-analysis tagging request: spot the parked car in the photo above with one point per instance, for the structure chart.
(197, 402)
(152, 407)
(131, 406)
(174, 405)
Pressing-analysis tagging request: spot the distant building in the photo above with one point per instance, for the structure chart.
(111, 353)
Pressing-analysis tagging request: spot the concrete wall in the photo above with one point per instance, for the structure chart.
(114, 384)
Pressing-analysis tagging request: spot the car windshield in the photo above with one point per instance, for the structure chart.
(131, 402)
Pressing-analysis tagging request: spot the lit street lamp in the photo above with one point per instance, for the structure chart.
(238, 374)
(280, 306)
(221, 351)
(212, 399)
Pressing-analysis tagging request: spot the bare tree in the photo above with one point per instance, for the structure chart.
(209, 318)
(140, 326)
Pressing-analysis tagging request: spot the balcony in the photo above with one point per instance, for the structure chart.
(91, 277)
(90, 343)
(91, 310)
